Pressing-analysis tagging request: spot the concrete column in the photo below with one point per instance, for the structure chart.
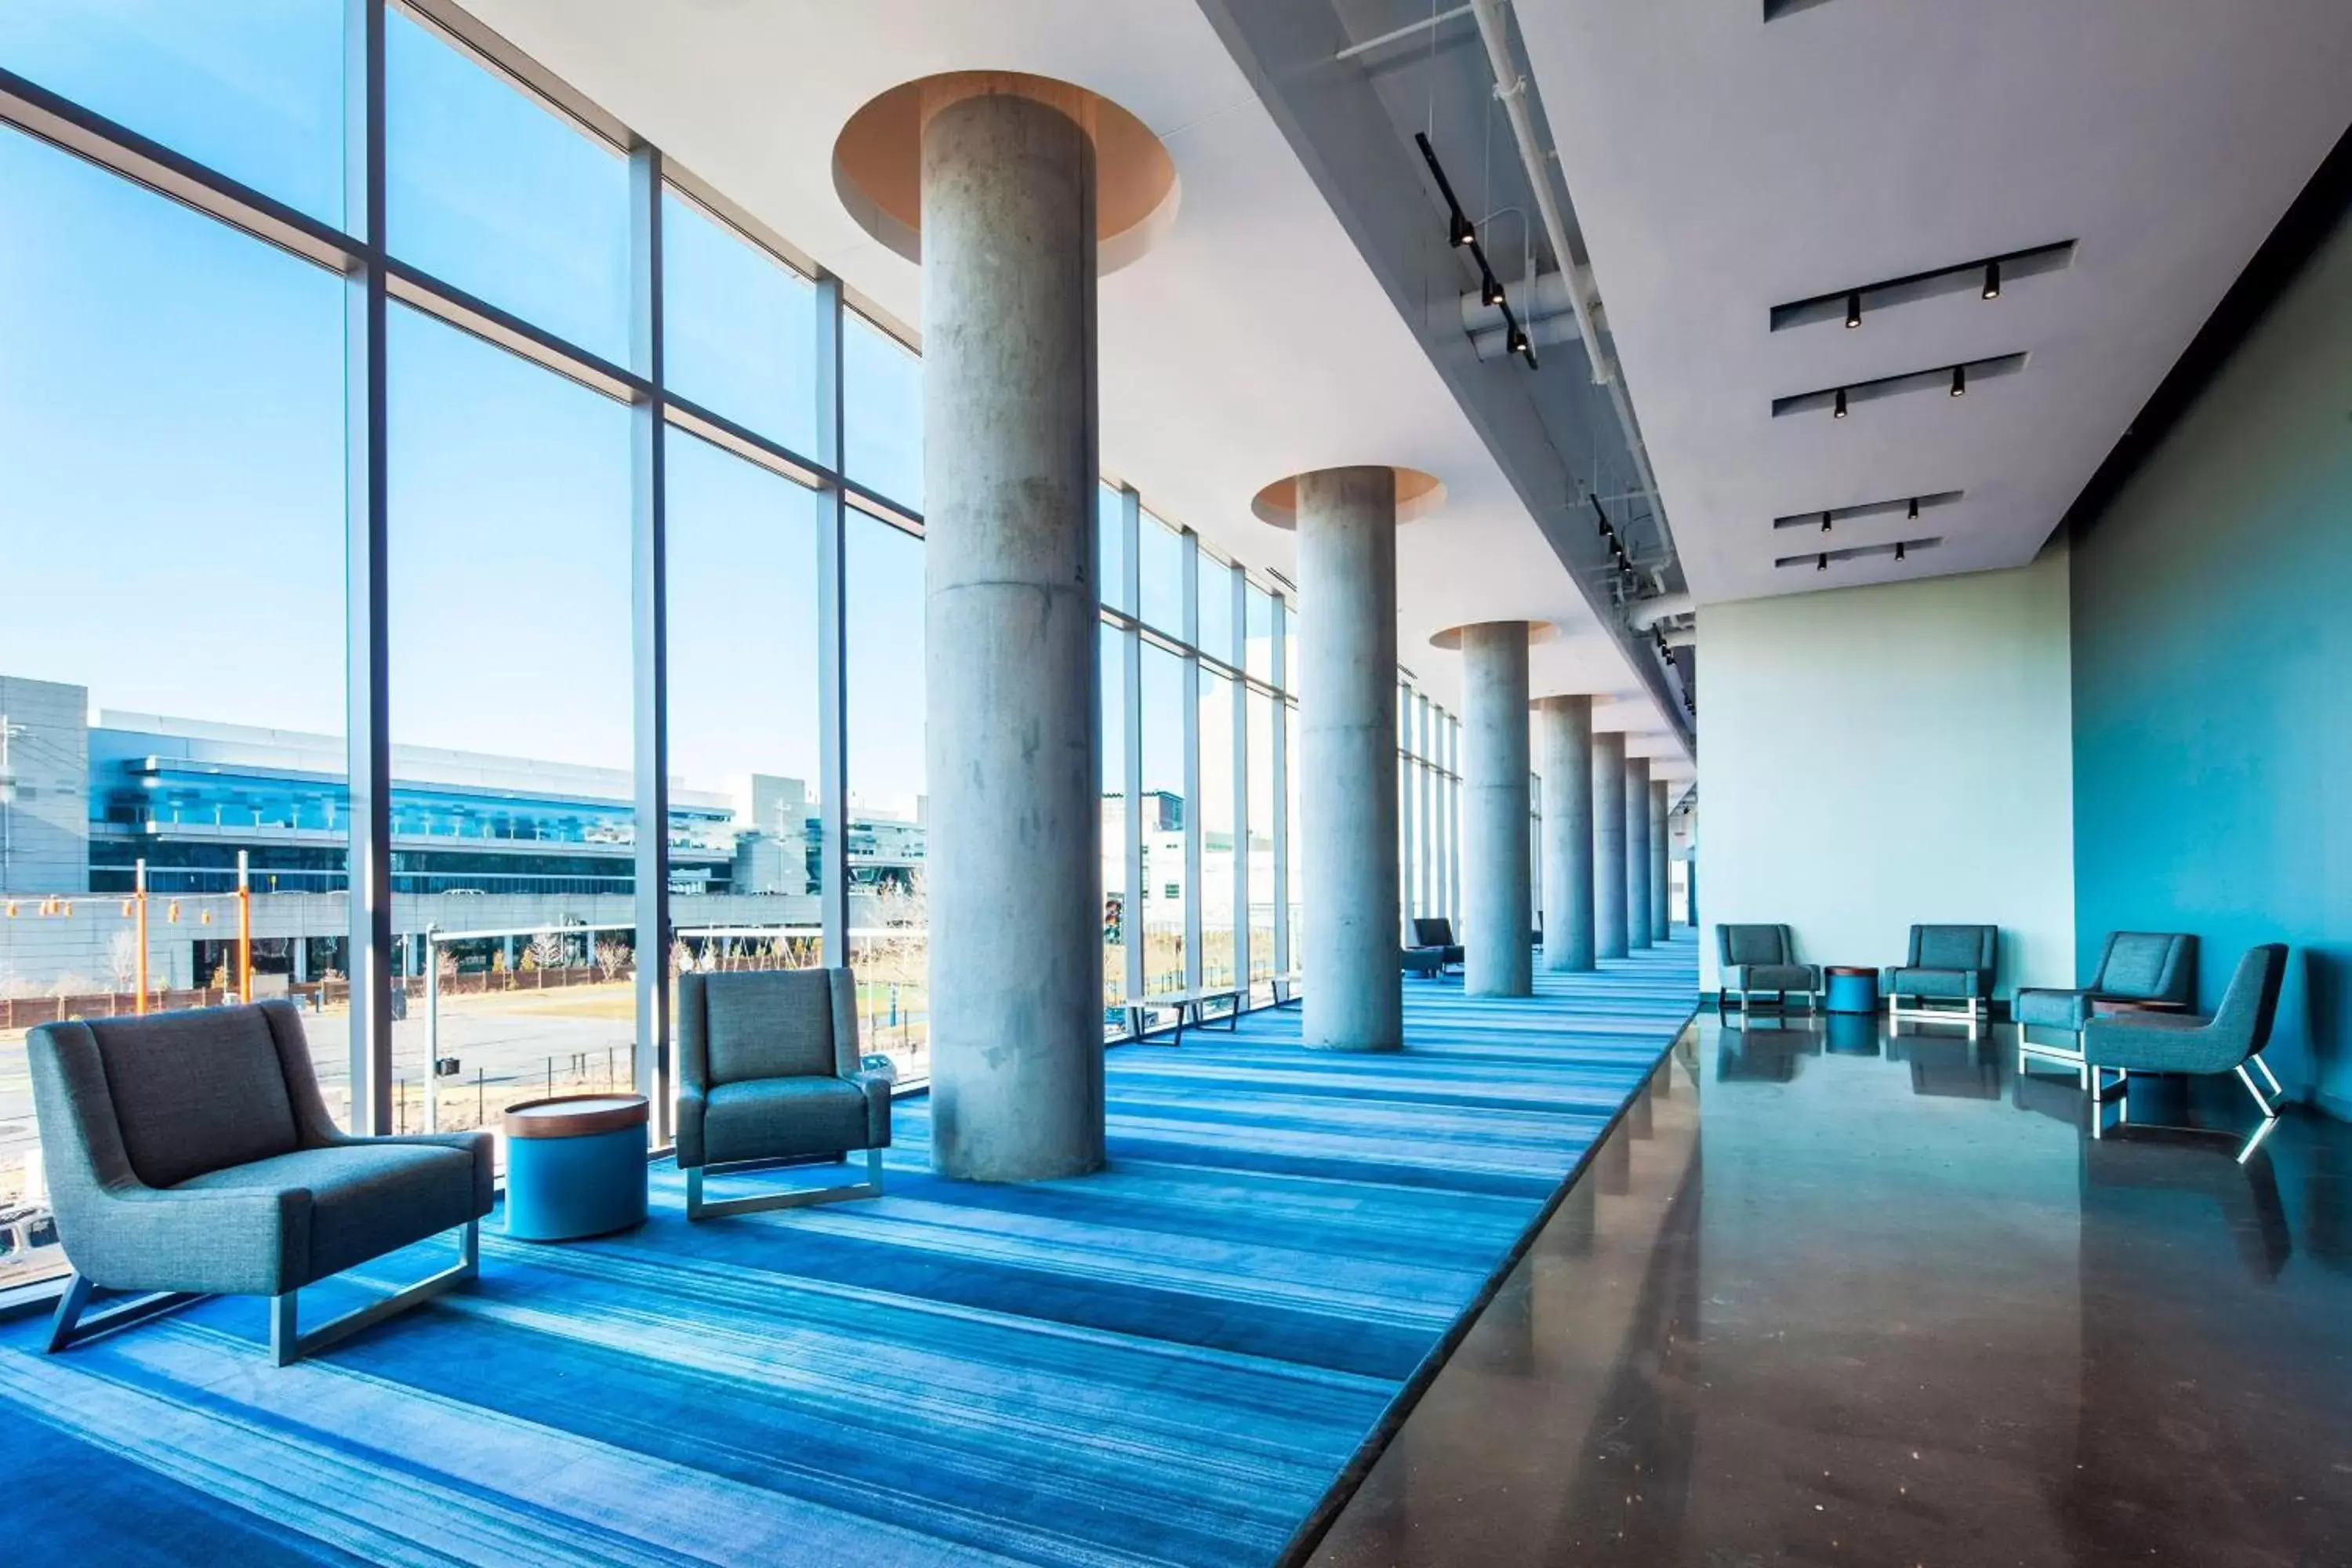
(1348, 741)
(1564, 725)
(1498, 959)
(1009, 463)
(1661, 928)
(1637, 853)
(1608, 845)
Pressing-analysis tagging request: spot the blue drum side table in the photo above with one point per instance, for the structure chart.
(575, 1166)
(1851, 989)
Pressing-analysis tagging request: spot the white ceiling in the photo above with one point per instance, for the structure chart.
(1250, 344)
(1721, 166)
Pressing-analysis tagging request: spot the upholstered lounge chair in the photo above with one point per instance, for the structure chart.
(768, 1070)
(2230, 1041)
(2133, 966)
(1948, 978)
(1754, 958)
(1435, 934)
(189, 1154)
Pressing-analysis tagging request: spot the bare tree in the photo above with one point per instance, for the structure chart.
(611, 955)
(123, 959)
(546, 951)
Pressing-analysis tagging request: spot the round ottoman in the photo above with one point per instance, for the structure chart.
(575, 1166)
(1851, 989)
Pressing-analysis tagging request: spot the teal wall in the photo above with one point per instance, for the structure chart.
(2212, 675)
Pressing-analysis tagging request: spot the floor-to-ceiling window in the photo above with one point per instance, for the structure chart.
(594, 509)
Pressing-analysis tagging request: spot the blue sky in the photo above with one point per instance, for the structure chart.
(172, 422)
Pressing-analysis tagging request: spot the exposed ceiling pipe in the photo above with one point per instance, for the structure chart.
(1544, 331)
(1547, 297)
(1682, 637)
(1643, 614)
(1511, 87)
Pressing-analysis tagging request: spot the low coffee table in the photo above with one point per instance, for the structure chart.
(575, 1166)
(1851, 988)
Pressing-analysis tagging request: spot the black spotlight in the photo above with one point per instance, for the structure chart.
(1490, 292)
(1459, 232)
(1960, 380)
(1854, 309)
(1915, 509)
(1517, 343)
(1823, 564)
(1825, 523)
(1993, 280)
(1837, 409)
(1899, 550)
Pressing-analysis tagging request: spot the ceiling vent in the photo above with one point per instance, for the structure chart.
(1952, 380)
(1985, 276)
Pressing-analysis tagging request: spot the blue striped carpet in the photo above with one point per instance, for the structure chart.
(1167, 1363)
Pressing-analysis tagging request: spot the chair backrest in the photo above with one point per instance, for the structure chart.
(774, 1023)
(2148, 967)
(191, 1091)
(1433, 931)
(1750, 944)
(1954, 947)
(2251, 1002)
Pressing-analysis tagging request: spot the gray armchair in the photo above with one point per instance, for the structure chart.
(768, 1070)
(2228, 1042)
(1752, 958)
(2159, 967)
(1948, 977)
(1435, 934)
(189, 1154)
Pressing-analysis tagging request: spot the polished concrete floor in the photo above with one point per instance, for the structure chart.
(1827, 1297)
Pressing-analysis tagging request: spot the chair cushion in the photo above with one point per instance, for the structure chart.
(776, 1024)
(366, 1199)
(1433, 931)
(1771, 977)
(2052, 1009)
(774, 1119)
(1928, 982)
(2135, 965)
(195, 1091)
(1950, 947)
(1754, 944)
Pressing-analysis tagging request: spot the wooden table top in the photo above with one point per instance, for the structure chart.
(574, 1115)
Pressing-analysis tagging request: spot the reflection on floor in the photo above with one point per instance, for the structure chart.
(1833, 1297)
(1167, 1363)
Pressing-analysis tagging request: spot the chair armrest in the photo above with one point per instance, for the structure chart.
(875, 1085)
(247, 1242)
(692, 1102)
(1735, 976)
(2160, 1042)
(482, 1144)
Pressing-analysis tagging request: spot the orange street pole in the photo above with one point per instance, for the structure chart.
(244, 930)
(140, 901)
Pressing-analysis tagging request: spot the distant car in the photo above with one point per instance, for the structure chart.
(466, 892)
(28, 1241)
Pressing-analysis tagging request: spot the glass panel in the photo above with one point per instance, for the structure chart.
(882, 411)
(1163, 821)
(488, 189)
(1114, 829)
(890, 928)
(1217, 610)
(1161, 553)
(172, 654)
(1220, 961)
(741, 325)
(1258, 633)
(1290, 647)
(1260, 763)
(743, 824)
(253, 89)
(514, 801)
(1110, 548)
